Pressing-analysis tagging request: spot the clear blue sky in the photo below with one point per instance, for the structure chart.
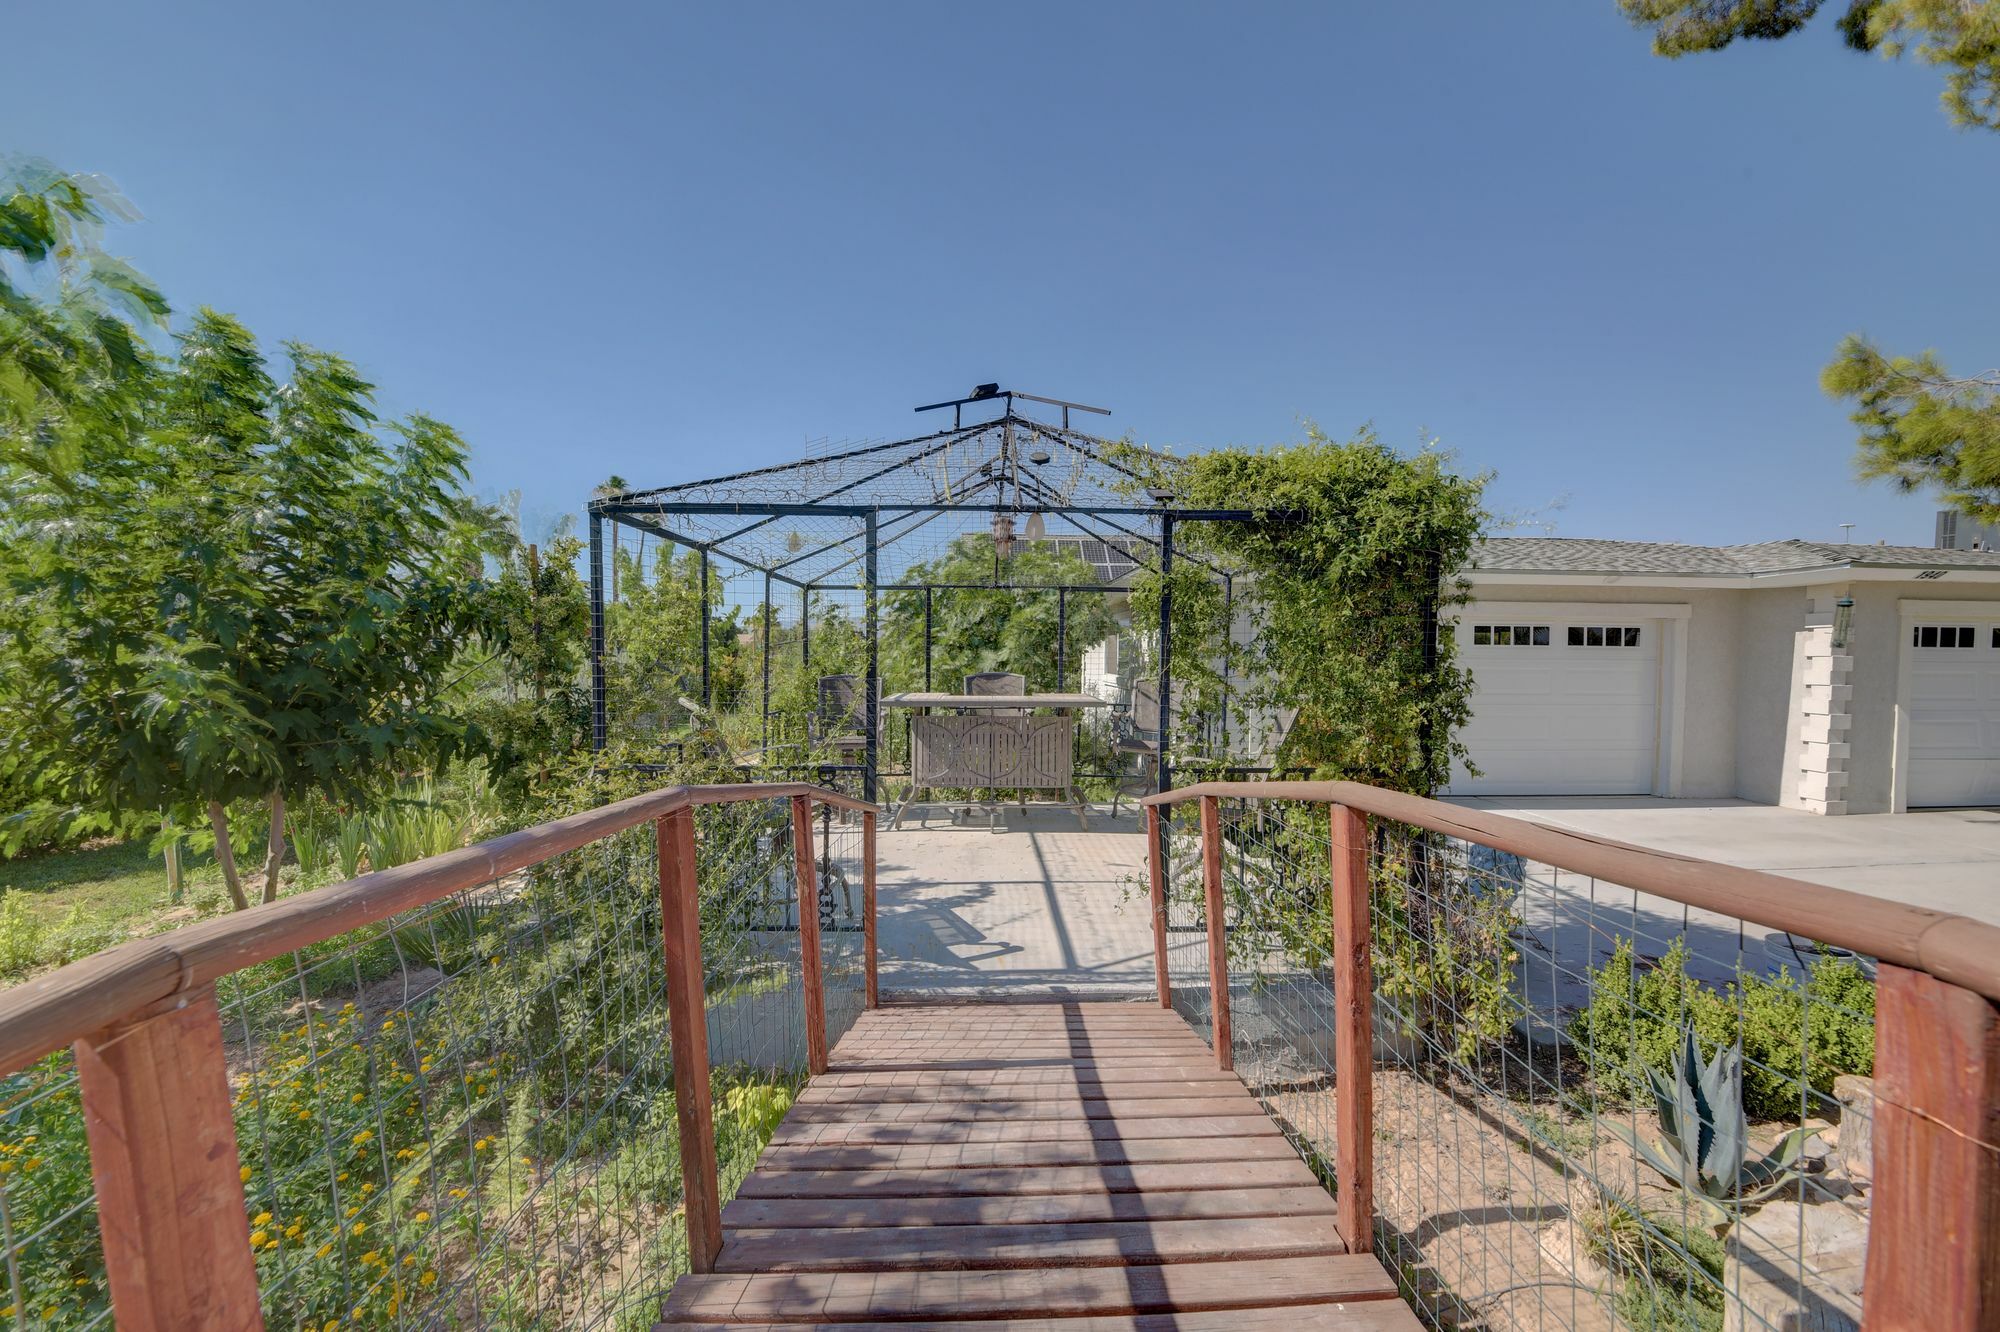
(663, 240)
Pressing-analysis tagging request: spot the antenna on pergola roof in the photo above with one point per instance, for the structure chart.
(988, 392)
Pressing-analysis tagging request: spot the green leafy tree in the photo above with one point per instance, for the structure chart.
(653, 643)
(73, 365)
(537, 710)
(257, 595)
(1961, 36)
(1921, 427)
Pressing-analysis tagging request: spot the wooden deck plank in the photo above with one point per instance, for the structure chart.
(886, 1088)
(1021, 1109)
(805, 1133)
(1345, 1316)
(765, 1213)
(1286, 1171)
(1046, 1246)
(983, 1155)
(850, 1297)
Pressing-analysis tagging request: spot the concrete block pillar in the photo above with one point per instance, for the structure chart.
(1826, 703)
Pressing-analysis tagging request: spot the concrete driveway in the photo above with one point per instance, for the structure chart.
(1948, 860)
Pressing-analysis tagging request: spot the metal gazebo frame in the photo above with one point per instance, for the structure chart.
(860, 504)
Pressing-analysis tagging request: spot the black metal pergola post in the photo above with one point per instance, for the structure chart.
(1165, 769)
(767, 660)
(872, 707)
(598, 717)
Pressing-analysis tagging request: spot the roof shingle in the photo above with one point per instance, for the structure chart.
(1584, 555)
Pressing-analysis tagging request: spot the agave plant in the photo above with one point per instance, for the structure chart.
(1704, 1143)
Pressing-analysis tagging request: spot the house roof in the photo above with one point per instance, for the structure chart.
(1580, 555)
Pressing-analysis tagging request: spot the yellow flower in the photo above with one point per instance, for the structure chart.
(355, 1099)
(422, 1217)
(261, 1219)
(342, 1177)
(409, 1260)
(363, 1136)
(482, 1144)
(257, 1238)
(324, 1250)
(429, 1278)
(244, 1174)
(360, 1226)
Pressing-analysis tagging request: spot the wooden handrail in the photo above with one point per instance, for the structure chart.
(1956, 949)
(49, 1012)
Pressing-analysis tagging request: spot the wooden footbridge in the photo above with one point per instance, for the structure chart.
(1077, 1166)
(1061, 1166)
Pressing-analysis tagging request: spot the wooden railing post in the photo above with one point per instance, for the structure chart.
(1218, 937)
(807, 867)
(872, 989)
(157, 1113)
(1934, 1224)
(1353, 1033)
(1156, 873)
(687, 1026)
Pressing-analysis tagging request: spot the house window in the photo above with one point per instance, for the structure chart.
(1510, 635)
(1943, 636)
(1604, 635)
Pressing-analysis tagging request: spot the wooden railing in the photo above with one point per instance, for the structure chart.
(1934, 1230)
(145, 1027)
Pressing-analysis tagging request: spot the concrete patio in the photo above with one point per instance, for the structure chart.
(1039, 906)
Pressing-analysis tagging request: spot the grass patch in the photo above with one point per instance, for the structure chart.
(111, 881)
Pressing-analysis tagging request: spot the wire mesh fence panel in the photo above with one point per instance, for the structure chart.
(1187, 919)
(463, 1117)
(1592, 1108)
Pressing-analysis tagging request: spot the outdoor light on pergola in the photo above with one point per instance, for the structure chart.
(860, 519)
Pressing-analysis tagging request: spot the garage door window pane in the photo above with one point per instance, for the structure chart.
(1541, 635)
(1482, 635)
(1944, 636)
(1631, 636)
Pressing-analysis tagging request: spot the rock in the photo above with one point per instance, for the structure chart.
(1796, 1269)
(1563, 1248)
(1853, 1154)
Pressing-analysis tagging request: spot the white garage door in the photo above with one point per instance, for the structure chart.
(1561, 706)
(1955, 713)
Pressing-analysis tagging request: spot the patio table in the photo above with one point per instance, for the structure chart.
(993, 742)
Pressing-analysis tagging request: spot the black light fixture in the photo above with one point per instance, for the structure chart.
(1160, 494)
(1843, 621)
(1038, 455)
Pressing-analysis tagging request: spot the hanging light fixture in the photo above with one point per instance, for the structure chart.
(1003, 533)
(795, 543)
(1038, 455)
(1036, 528)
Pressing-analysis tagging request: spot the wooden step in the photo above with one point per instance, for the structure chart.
(1019, 1109)
(770, 1213)
(1346, 1316)
(1285, 1171)
(1047, 1246)
(807, 1134)
(1266, 1146)
(896, 1297)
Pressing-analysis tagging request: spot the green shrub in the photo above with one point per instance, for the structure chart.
(1791, 1031)
(20, 935)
